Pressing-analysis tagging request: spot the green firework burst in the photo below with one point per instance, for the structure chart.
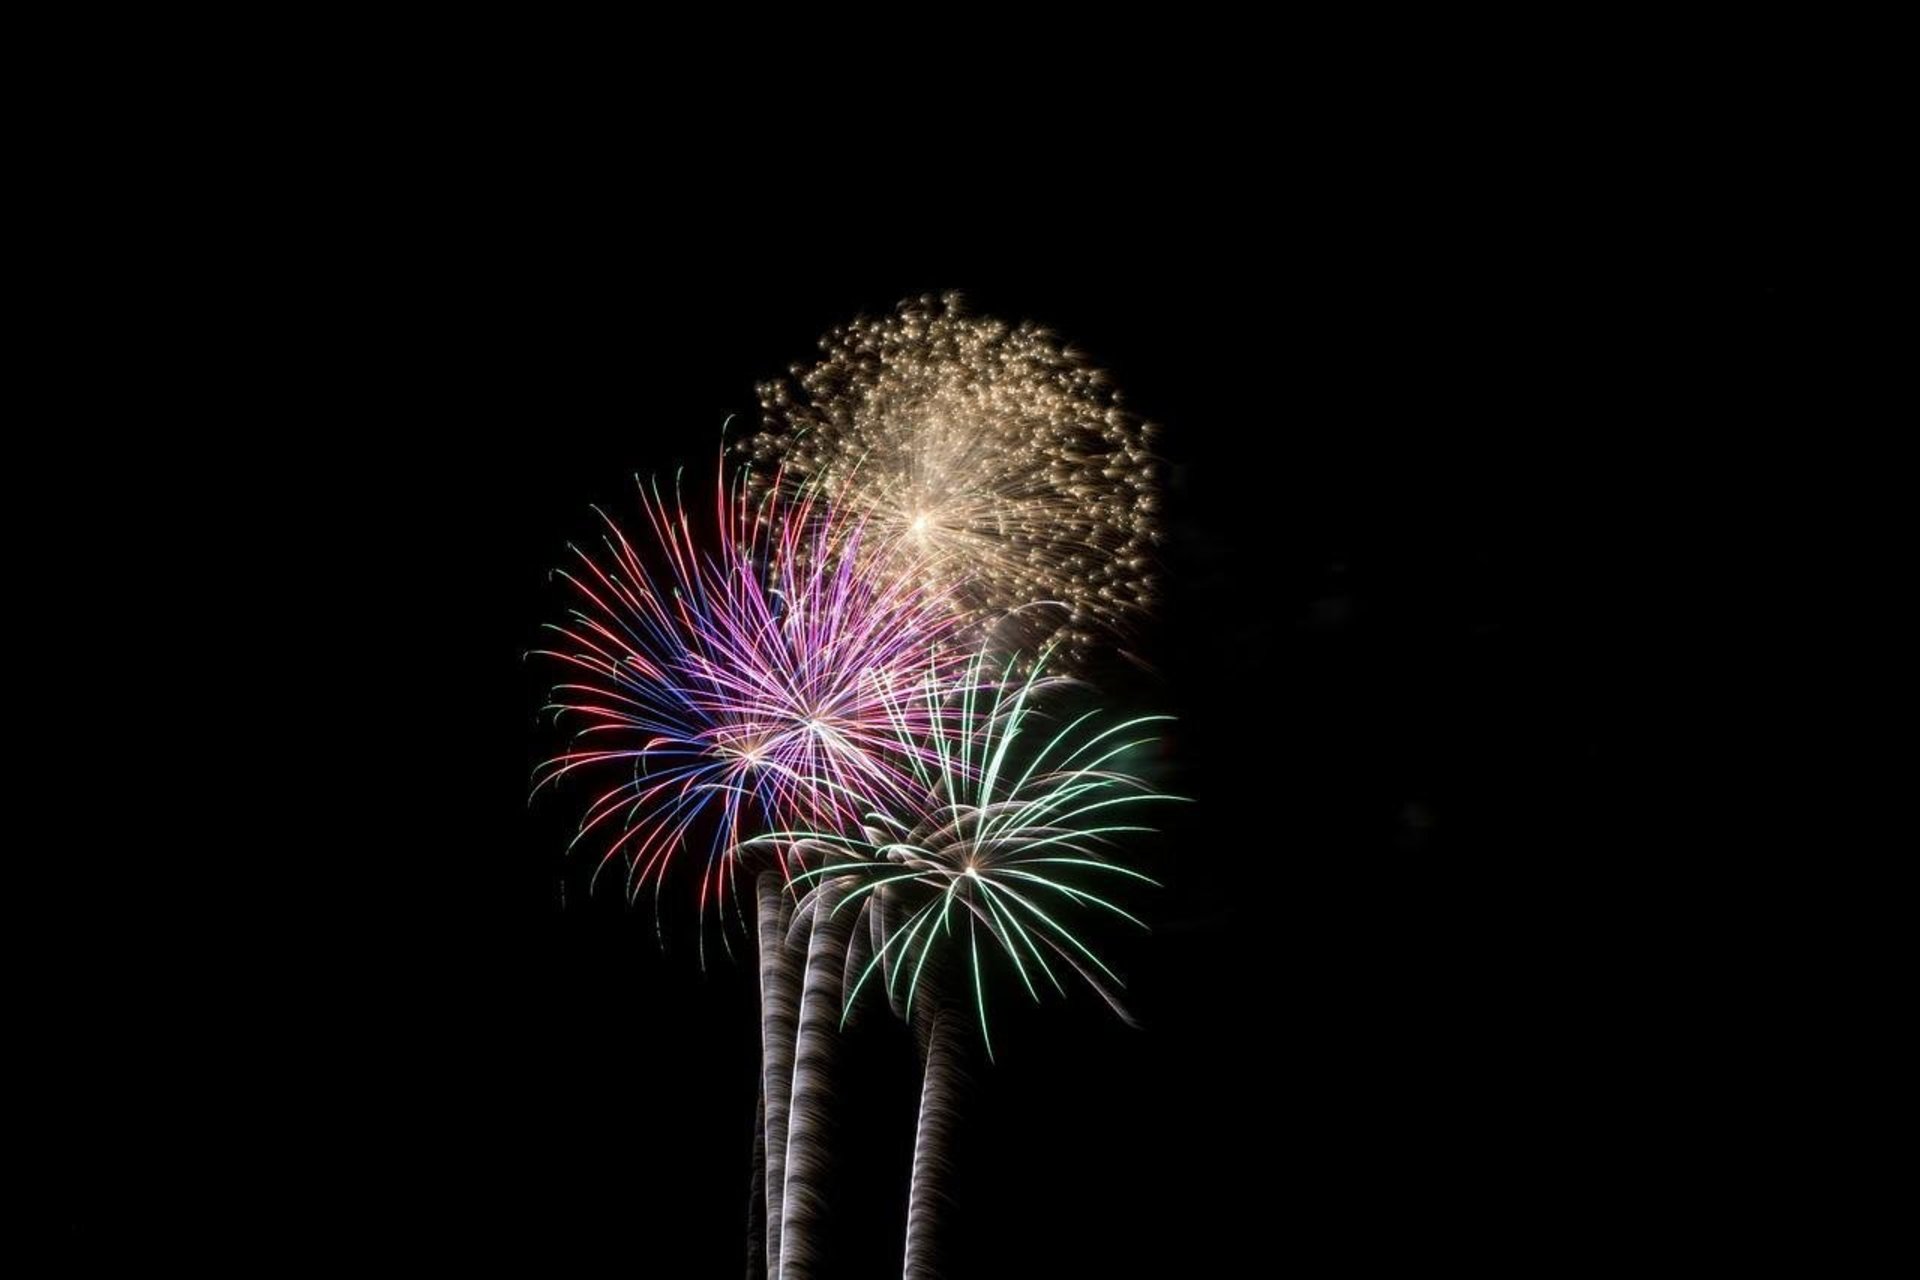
(1003, 847)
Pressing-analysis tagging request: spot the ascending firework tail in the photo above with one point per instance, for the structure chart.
(778, 1013)
(940, 1087)
(805, 1195)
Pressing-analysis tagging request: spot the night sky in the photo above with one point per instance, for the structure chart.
(1412, 542)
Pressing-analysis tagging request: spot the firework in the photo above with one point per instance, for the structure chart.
(734, 674)
(998, 458)
(997, 850)
(1000, 851)
(726, 688)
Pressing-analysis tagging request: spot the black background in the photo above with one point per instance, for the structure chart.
(1407, 992)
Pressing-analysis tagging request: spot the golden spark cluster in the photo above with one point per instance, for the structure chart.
(992, 456)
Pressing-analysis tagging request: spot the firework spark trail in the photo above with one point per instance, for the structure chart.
(996, 851)
(779, 1013)
(938, 1120)
(805, 1166)
(996, 456)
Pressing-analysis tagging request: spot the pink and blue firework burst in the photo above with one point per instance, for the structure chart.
(738, 678)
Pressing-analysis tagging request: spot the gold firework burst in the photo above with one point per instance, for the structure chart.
(988, 451)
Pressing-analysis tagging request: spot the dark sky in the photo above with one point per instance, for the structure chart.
(1420, 464)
